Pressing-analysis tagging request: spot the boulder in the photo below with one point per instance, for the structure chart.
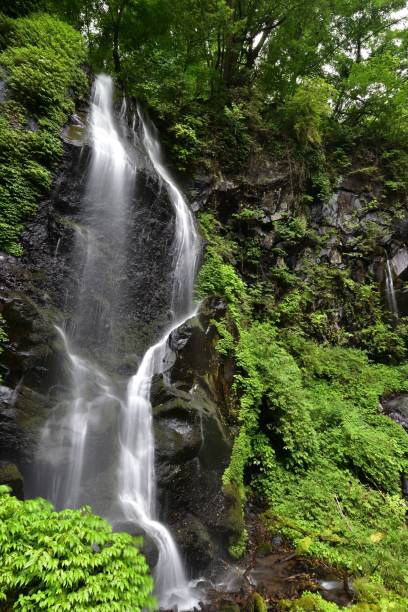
(396, 407)
(10, 475)
(399, 263)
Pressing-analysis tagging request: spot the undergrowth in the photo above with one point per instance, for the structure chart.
(312, 442)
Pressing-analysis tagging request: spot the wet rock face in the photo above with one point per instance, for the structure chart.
(397, 409)
(399, 263)
(10, 475)
(192, 445)
(32, 292)
(37, 291)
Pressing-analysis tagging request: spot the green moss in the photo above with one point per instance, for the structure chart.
(40, 63)
(238, 548)
(313, 602)
(9, 473)
(256, 603)
(309, 602)
(312, 442)
(234, 520)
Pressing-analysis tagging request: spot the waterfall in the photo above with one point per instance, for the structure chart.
(389, 288)
(137, 474)
(97, 424)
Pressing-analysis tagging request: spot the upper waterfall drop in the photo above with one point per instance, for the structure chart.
(102, 425)
(186, 241)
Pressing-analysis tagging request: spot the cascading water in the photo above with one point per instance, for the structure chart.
(67, 456)
(390, 290)
(70, 449)
(137, 477)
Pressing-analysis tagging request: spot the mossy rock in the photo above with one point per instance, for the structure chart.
(10, 475)
(234, 520)
(256, 603)
(308, 602)
(229, 606)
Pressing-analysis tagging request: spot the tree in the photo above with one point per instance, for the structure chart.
(20, 8)
(67, 560)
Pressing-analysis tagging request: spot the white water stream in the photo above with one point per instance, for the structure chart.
(390, 290)
(71, 433)
(137, 476)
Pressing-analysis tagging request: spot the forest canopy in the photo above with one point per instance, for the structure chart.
(233, 63)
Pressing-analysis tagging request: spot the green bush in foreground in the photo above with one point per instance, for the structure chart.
(69, 560)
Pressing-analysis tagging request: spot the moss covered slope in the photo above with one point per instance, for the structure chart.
(40, 65)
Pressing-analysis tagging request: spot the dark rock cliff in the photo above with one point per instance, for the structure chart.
(36, 293)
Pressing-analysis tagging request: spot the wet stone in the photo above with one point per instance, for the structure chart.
(10, 475)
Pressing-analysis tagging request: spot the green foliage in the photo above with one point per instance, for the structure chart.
(313, 602)
(226, 78)
(309, 108)
(69, 560)
(326, 303)
(312, 441)
(228, 81)
(238, 548)
(290, 228)
(218, 278)
(41, 62)
(186, 141)
(309, 602)
(346, 501)
(19, 8)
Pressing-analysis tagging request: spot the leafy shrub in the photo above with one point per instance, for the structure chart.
(345, 505)
(67, 560)
(309, 108)
(35, 77)
(291, 229)
(186, 143)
